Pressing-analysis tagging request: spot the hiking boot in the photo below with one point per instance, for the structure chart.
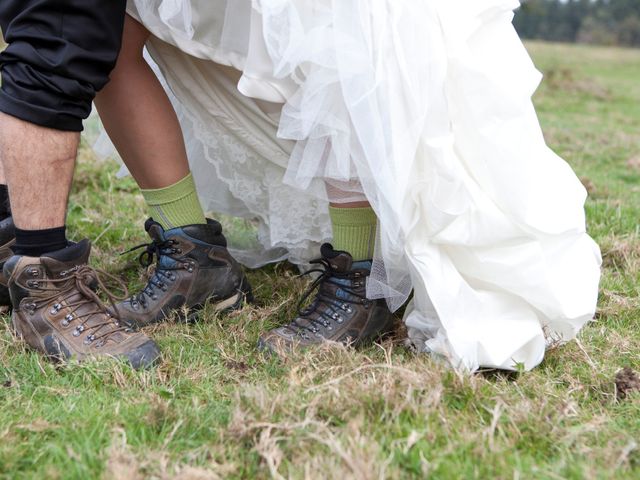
(193, 268)
(340, 311)
(7, 239)
(57, 311)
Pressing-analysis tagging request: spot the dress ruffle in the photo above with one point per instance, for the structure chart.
(425, 107)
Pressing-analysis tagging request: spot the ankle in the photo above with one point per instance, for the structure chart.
(5, 208)
(354, 231)
(176, 205)
(35, 243)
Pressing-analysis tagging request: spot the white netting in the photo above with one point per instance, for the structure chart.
(426, 106)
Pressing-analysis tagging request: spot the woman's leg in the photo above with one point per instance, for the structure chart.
(340, 312)
(139, 117)
(142, 124)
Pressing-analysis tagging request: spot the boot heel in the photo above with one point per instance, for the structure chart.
(15, 328)
(247, 291)
(245, 295)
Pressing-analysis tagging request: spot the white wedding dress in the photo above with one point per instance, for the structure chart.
(424, 107)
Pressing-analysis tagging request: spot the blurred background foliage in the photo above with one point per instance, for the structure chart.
(600, 22)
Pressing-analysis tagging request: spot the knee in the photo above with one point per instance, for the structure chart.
(134, 37)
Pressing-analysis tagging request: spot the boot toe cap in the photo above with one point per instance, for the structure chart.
(144, 356)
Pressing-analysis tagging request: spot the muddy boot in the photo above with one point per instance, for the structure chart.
(57, 312)
(7, 239)
(340, 311)
(193, 268)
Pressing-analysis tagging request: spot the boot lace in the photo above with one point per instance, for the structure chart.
(82, 280)
(162, 275)
(327, 308)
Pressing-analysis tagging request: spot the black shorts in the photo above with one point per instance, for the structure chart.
(59, 54)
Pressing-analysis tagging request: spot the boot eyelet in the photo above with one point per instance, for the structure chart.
(34, 272)
(55, 309)
(89, 340)
(154, 297)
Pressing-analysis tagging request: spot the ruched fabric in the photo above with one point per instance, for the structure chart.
(424, 108)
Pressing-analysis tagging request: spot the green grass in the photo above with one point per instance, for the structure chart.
(215, 408)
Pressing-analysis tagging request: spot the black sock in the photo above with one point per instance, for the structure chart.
(35, 243)
(5, 208)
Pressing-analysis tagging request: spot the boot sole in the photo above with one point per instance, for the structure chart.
(367, 338)
(235, 302)
(231, 304)
(143, 357)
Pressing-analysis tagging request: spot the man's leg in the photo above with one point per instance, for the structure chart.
(7, 236)
(59, 54)
(39, 170)
(5, 208)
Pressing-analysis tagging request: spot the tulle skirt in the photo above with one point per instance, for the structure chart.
(423, 108)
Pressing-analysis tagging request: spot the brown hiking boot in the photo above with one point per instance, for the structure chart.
(57, 312)
(193, 268)
(340, 311)
(7, 239)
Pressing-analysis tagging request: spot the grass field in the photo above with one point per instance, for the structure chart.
(215, 408)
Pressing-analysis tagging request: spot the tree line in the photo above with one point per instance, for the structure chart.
(604, 22)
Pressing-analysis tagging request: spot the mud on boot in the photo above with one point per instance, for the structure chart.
(57, 311)
(193, 267)
(340, 311)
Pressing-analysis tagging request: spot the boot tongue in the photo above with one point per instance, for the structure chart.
(155, 230)
(340, 261)
(159, 235)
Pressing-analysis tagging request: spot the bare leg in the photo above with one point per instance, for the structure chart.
(351, 205)
(139, 117)
(38, 163)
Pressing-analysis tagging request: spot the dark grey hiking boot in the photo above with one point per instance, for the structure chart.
(193, 268)
(7, 239)
(340, 311)
(57, 311)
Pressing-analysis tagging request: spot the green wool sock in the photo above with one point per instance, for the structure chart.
(176, 205)
(354, 231)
